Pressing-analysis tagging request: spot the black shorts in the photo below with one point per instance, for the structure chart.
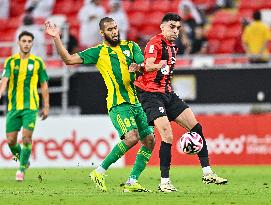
(161, 104)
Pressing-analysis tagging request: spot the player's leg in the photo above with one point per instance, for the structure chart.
(164, 128)
(13, 125)
(29, 121)
(154, 107)
(144, 153)
(188, 120)
(125, 125)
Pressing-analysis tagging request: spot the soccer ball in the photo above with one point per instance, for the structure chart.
(191, 143)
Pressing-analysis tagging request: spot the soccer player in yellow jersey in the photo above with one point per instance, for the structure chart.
(22, 72)
(113, 59)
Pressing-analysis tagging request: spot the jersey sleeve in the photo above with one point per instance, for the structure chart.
(137, 53)
(42, 72)
(152, 49)
(6, 71)
(90, 55)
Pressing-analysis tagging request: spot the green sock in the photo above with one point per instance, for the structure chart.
(15, 150)
(142, 158)
(117, 152)
(24, 157)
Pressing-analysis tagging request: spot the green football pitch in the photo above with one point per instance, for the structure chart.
(247, 185)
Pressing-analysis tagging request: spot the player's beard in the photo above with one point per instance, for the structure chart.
(111, 41)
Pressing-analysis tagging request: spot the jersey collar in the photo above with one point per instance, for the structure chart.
(164, 39)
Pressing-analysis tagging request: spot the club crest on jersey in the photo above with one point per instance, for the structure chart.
(161, 109)
(30, 67)
(16, 67)
(127, 53)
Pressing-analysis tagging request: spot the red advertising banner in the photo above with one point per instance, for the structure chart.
(231, 140)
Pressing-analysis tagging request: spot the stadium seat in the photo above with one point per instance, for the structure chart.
(63, 7)
(5, 51)
(150, 30)
(3, 23)
(140, 5)
(7, 35)
(174, 6)
(13, 23)
(136, 19)
(234, 31)
(54, 63)
(244, 13)
(216, 32)
(226, 46)
(16, 8)
(213, 46)
(126, 5)
(133, 34)
(154, 18)
(160, 5)
(224, 17)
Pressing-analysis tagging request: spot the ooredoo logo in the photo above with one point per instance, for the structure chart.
(67, 148)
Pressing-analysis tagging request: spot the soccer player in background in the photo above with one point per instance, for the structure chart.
(22, 72)
(162, 105)
(113, 58)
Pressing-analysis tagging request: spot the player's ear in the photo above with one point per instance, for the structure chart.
(102, 33)
(162, 26)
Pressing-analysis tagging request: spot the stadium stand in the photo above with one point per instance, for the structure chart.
(223, 29)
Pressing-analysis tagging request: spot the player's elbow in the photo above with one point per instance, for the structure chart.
(68, 61)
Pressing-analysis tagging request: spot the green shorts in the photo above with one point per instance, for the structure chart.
(126, 117)
(18, 118)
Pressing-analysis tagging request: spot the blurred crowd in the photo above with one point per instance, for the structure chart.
(194, 38)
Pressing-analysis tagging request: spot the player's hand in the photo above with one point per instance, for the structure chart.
(162, 63)
(134, 67)
(44, 113)
(51, 30)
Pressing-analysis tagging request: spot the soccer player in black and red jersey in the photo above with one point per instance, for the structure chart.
(162, 105)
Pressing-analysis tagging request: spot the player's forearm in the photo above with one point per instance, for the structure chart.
(3, 85)
(62, 51)
(151, 66)
(45, 95)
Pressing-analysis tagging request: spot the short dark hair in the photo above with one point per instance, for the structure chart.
(171, 17)
(25, 33)
(257, 15)
(104, 20)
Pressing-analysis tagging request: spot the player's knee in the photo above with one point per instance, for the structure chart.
(12, 141)
(149, 142)
(167, 135)
(131, 138)
(27, 140)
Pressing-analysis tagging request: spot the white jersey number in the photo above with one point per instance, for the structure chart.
(151, 49)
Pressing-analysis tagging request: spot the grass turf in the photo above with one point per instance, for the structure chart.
(247, 185)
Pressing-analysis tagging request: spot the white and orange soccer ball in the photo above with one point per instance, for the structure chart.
(191, 143)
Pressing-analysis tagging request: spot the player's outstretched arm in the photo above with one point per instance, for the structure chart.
(3, 86)
(151, 66)
(54, 32)
(45, 97)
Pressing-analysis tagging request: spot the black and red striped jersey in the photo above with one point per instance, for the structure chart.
(159, 80)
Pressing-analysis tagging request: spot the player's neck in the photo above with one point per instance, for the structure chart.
(24, 55)
(110, 45)
(167, 38)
